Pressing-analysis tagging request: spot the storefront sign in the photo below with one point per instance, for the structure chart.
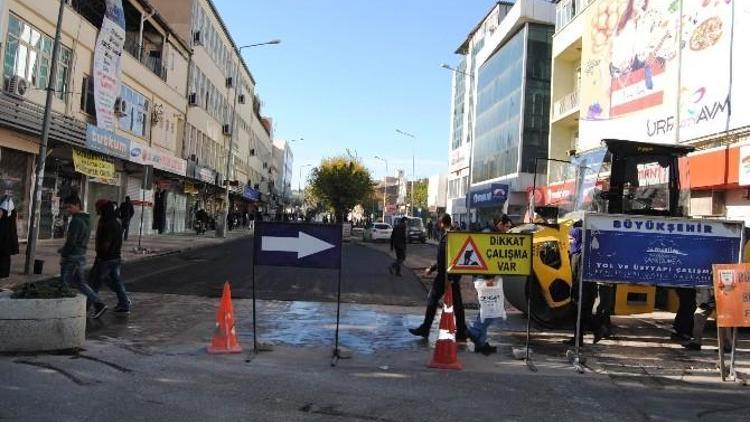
(107, 142)
(657, 251)
(143, 154)
(732, 290)
(488, 253)
(107, 69)
(207, 175)
(251, 194)
(744, 176)
(459, 158)
(493, 196)
(92, 166)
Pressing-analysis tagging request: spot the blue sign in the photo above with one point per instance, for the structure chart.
(251, 194)
(298, 245)
(673, 252)
(106, 142)
(492, 196)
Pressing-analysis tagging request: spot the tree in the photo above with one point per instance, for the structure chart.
(420, 195)
(340, 183)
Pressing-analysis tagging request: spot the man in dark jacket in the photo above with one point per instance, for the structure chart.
(126, 212)
(438, 288)
(73, 254)
(108, 255)
(8, 235)
(398, 243)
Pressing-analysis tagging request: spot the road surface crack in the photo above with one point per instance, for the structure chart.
(61, 371)
(333, 411)
(104, 362)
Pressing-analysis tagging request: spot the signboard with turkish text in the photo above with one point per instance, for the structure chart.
(488, 253)
(91, 165)
(143, 154)
(673, 252)
(494, 195)
(732, 292)
(107, 67)
(297, 245)
(107, 142)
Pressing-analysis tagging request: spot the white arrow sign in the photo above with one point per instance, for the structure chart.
(304, 244)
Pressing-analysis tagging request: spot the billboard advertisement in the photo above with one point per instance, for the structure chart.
(107, 67)
(657, 251)
(663, 71)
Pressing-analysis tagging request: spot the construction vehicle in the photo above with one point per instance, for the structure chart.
(621, 177)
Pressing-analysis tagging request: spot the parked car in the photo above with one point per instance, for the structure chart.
(378, 231)
(415, 230)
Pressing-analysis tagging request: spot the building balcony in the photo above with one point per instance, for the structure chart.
(147, 56)
(565, 106)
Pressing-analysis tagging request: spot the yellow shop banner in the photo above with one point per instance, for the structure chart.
(93, 166)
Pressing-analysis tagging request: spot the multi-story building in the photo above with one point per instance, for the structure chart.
(283, 160)
(223, 109)
(605, 85)
(83, 159)
(501, 108)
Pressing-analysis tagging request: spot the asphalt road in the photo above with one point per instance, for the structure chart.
(202, 272)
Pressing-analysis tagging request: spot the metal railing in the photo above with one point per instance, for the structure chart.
(143, 55)
(565, 104)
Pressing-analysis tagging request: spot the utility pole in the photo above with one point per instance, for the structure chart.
(41, 159)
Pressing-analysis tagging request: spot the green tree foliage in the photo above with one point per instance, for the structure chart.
(340, 183)
(420, 195)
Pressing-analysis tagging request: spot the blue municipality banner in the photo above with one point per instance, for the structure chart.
(106, 142)
(298, 245)
(673, 252)
(491, 196)
(251, 194)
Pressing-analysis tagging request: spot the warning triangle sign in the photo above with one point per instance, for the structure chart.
(468, 257)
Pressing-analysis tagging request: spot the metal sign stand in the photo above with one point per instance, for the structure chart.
(336, 353)
(575, 358)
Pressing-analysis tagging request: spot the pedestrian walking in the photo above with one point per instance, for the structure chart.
(109, 255)
(478, 330)
(398, 244)
(438, 288)
(706, 308)
(126, 212)
(683, 319)
(73, 254)
(430, 227)
(8, 235)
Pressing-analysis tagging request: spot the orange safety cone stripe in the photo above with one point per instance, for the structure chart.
(225, 335)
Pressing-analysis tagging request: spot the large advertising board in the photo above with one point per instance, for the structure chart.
(657, 250)
(663, 71)
(107, 66)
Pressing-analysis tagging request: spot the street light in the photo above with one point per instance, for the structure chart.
(471, 147)
(299, 185)
(385, 184)
(413, 174)
(223, 231)
(296, 140)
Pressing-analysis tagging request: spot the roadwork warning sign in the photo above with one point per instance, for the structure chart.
(489, 253)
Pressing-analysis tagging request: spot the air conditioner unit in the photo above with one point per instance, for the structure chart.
(241, 98)
(121, 107)
(193, 99)
(17, 86)
(226, 129)
(197, 39)
(230, 82)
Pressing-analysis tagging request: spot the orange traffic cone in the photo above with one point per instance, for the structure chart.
(446, 350)
(225, 337)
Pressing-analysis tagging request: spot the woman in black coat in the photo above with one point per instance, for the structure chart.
(8, 236)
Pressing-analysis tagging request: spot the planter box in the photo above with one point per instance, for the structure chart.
(36, 325)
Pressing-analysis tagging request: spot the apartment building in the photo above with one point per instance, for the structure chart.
(500, 110)
(82, 158)
(283, 159)
(223, 110)
(678, 85)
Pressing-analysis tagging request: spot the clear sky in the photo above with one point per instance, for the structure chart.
(348, 73)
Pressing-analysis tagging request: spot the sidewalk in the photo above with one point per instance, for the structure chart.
(153, 245)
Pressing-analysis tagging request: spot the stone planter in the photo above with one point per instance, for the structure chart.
(37, 325)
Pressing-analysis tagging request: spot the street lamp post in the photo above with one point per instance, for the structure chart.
(223, 226)
(385, 184)
(413, 173)
(299, 186)
(471, 147)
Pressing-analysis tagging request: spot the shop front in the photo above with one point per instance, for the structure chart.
(15, 176)
(489, 201)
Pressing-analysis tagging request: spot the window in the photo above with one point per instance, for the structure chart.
(28, 54)
(88, 104)
(135, 120)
